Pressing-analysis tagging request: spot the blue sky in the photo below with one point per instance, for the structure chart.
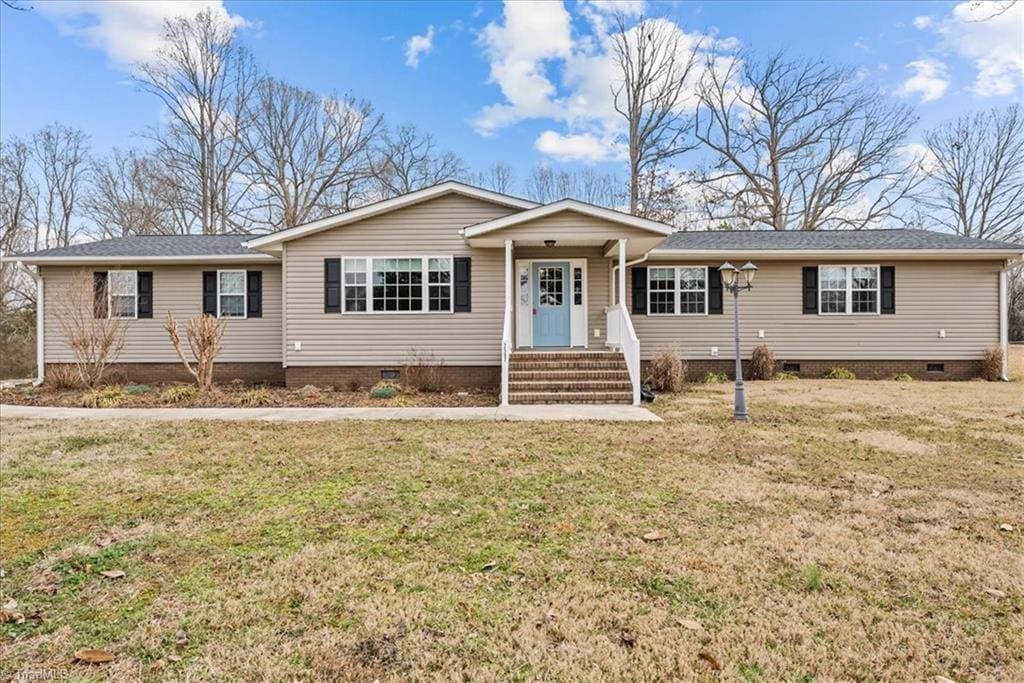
(476, 84)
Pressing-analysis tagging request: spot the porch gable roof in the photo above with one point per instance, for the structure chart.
(576, 206)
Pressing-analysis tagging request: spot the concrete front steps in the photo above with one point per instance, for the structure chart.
(569, 377)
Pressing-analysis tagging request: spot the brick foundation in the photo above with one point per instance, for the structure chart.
(166, 373)
(863, 369)
(346, 377)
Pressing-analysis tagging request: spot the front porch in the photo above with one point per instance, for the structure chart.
(567, 336)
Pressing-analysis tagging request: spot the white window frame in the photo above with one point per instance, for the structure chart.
(849, 288)
(677, 290)
(111, 295)
(425, 294)
(245, 296)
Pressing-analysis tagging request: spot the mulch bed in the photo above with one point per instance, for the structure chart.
(148, 396)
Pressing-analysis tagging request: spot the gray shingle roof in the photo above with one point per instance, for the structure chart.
(826, 240)
(154, 245)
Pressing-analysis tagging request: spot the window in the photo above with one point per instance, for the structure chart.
(848, 289)
(677, 290)
(123, 290)
(549, 286)
(936, 367)
(791, 367)
(355, 284)
(397, 284)
(231, 293)
(577, 286)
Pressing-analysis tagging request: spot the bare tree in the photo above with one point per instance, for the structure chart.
(498, 177)
(127, 196)
(407, 160)
(304, 151)
(62, 155)
(205, 80)
(18, 227)
(801, 144)
(94, 337)
(655, 62)
(976, 174)
(545, 185)
(204, 334)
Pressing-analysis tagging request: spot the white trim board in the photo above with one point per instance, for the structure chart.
(579, 323)
(566, 205)
(385, 206)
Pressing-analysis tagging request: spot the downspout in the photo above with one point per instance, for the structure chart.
(1004, 323)
(40, 357)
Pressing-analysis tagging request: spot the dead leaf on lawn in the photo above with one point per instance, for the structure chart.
(10, 605)
(942, 679)
(94, 656)
(652, 536)
(113, 574)
(104, 541)
(490, 566)
(174, 658)
(689, 624)
(710, 660)
(13, 617)
(1006, 527)
(995, 592)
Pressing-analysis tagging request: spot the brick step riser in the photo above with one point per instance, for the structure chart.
(569, 356)
(621, 402)
(534, 366)
(569, 386)
(573, 376)
(571, 397)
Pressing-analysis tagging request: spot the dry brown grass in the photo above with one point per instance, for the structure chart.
(850, 532)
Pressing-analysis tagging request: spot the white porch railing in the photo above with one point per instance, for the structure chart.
(622, 335)
(506, 354)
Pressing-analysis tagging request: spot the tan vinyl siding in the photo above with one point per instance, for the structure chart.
(180, 290)
(427, 229)
(597, 283)
(569, 225)
(960, 297)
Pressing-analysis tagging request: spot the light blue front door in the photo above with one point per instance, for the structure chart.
(551, 310)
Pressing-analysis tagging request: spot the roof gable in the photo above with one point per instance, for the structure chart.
(573, 205)
(273, 241)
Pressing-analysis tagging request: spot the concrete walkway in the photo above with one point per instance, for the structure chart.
(552, 413)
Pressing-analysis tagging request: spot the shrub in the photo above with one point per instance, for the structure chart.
(783, 376)
(762, 363)
(107, 397)
(716, 378)
(992, 364)
(425, 373)
(902, 377)
(254, 398)
(179, 393)
(95, 338)
(204, 334)
(354, 385)
(63, 377)
(384, 390)
(137, 389)
(667, 372)
(839, 373)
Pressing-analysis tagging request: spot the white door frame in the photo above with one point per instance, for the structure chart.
(578, 322)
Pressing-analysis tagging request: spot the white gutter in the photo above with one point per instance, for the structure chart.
(790, 254)
(132, 260)
(611, 277)
(1004, 321)
(40, 356)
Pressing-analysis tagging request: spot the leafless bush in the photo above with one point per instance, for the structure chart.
(762, 363)
(95, 338)
(667, 372)
(424, 373)
(204, 334)
(992, 364)
(61, 377)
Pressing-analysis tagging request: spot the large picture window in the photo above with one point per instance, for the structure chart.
(123, 291)
(231, 293)
(848, 290)
(677, 290)
(397, 284)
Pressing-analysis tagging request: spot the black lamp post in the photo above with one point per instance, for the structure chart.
(731, 281)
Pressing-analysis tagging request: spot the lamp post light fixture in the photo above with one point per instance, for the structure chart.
(731, 276)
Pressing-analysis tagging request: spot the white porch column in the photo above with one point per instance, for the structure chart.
(622, 272)
(508, 275)
(1004, 325)
(40, 319)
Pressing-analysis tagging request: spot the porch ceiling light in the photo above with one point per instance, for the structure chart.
(549, 243)
(728, 272)
(748, 270)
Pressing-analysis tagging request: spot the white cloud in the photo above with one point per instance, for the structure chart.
(419, 45)
(127, 31)
(920, 154)
(535, 42)
(923, 22)
(580, 147)
(930, 80)
(993, 41)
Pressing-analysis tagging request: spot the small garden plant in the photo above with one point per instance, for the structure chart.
(762, 363)
(716, 378)
(785, 376)
(839, 373)
(384, 390)
(902, 377)
(992, 364)
(104, 397)
(254, 398)
(179, 393)
(137, 389)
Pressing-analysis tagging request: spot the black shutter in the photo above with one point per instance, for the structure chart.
(714, 291)
(888, 289)
(145, 301)
(463, 285)
(210, 293)
(810, 290)
(254, 293)
(639, 290)
(332, 285)
(99, 294)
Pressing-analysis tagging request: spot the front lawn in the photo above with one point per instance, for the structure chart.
(851, 532)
